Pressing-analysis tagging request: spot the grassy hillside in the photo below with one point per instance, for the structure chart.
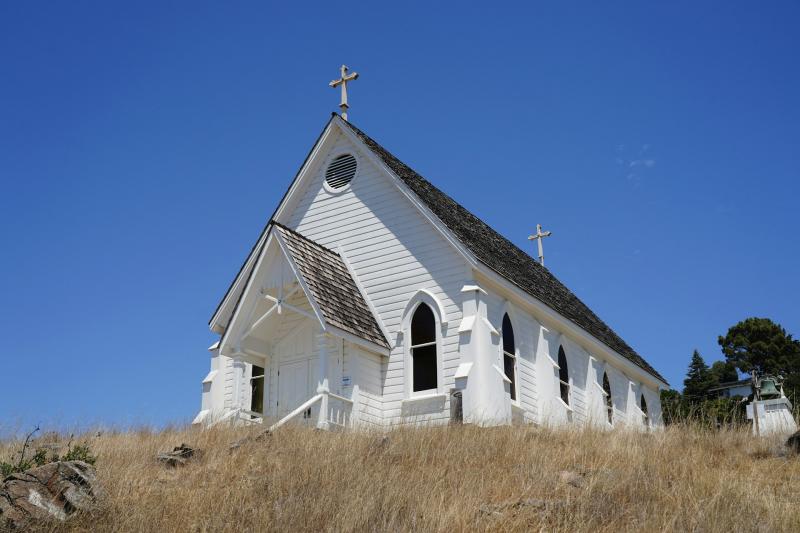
(445, 479)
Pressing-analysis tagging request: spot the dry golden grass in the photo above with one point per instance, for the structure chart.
(444, 479)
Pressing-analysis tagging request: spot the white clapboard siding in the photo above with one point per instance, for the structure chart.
(394, 252)
(581, 383)
(526, 336)
(364, 369)
(526, 365)
(526, 388)
(227, 370)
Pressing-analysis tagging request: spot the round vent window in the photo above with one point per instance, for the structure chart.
(340, 171)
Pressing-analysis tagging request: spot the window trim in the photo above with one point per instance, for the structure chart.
(608, 398)
(251, 385)
(514, 387)
(646, 420)
(420, 297)
(567, 383)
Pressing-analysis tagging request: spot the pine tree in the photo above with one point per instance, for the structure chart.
(698, 379)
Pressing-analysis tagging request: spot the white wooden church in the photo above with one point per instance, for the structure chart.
(373, 299)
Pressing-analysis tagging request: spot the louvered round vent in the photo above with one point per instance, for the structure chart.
(341, 171)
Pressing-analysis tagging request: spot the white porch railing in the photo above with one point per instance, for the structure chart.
(337, 414)
(297, 412)
(340, 411)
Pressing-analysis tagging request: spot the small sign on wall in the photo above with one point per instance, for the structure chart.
(347, 381)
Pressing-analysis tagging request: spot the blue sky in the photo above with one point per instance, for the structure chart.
(142, 148)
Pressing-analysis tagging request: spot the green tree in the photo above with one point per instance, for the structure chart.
(698, 379)
(673, 408)
(723, 372)
(762, 345)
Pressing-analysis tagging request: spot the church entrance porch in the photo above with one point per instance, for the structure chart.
(286, 337)
(297, 380)
(291, 369)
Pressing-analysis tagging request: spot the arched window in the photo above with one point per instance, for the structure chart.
(643, 407)
(423, 349)
(563, 375)
(609, 403)
(509, 355)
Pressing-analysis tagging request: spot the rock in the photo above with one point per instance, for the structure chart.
(574, 479)
(793, 442)
(50, 492)
(178, 456)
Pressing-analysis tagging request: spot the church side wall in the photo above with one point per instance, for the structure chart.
(537, 348)
(395, 252)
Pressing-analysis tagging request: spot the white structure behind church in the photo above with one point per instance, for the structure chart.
(774, 417)
(372, 299)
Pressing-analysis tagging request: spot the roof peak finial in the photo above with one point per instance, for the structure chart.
(343, 79)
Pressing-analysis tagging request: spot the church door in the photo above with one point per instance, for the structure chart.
(297, 382)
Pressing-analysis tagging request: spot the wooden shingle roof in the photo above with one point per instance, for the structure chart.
(505, 258)
(332, 287)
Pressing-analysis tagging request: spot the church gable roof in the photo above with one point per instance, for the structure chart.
(502, 256)
(332, 287)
